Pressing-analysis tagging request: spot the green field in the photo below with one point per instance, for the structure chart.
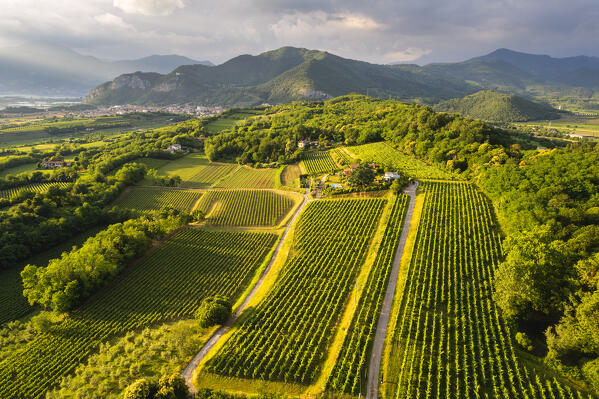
(382, 154)
(36, 188)
(290, 176)
(227, 121)
(586, 126)
(149, 199)
(167, 285)
(30, 167)
(350, 370)
(195, 171)
(245, 207)
(13, 304)
(318, 162)
(286, 336)
(449, 339)
(246, 177)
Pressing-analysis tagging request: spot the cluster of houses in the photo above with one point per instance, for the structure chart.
(307, 144)
(173, 147)
(55, 164)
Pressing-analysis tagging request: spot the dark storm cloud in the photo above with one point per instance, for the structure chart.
(375, 30)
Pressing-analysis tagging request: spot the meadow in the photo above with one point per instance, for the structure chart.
(228, 120)
(169, 284)
(290, 176)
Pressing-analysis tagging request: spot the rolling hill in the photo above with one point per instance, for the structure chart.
(45, 69)
(498, 107)
(289, 74)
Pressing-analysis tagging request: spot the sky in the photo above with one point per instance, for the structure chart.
(378, 31)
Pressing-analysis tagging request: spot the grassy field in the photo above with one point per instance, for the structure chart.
(149, 199)
(245, 207)
(447, 338)
(246, 177)
(286, 336)
(30, 167)
(167, 285)
(382, 154)
(36, 188)
(195, 171)
(13, 304)
(290, 176)
(318, 162)
(587, 126)
(228, 121)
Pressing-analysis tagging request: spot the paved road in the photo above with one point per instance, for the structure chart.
(188, 372)
(372, 389)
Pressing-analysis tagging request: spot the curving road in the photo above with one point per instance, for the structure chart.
(188, 372)
(372, 389)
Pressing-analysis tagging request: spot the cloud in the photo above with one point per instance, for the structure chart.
(149, 7)
(409, 54)
(112, 20)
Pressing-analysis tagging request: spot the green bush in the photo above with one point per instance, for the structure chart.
(523, 340)
(140, 389)
(590, 370)
(213, 311)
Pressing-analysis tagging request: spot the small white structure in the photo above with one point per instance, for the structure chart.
(389, 176)
(303, 144)
(174, 147)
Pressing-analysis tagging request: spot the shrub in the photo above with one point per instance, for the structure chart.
(523, 340)
(140, 389)
(213, 311)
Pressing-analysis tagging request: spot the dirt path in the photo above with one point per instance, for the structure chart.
(188, 372)
(372, 389)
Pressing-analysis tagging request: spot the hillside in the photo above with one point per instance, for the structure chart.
(290, 74)
(497, 107)
(40, 68)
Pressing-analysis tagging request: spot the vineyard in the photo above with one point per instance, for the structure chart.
(286, 336)
(340, 156)
(167, 285)
(195, 171)
(351, 368)
(245, 177)
(149, 199)
(318, 162)
(245, 207)
(36, 188)
(383, 154)
(449, 339)
(13, 304)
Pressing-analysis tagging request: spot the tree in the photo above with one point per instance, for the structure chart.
(213, 311)
(399, 184)
(361, 176)
(140, 389)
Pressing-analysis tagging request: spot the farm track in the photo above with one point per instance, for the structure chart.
(218, 334)
(383, 322)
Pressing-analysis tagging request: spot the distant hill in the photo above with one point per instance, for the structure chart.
(45, 69)
(290, 73)
(498, 107)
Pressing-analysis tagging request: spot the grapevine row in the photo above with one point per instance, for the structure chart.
(36, 188)
(317, 162)
(147, 199)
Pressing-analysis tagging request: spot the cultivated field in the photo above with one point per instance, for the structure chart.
(167, 285)
(286, 336)
(290, 176)
(195, 171)
(449, 339)
(245, 207)
(228, 121)
(351, 368)
(149, 199)
(36, 188)
(318, 162)
(246, 177)
(383, 154)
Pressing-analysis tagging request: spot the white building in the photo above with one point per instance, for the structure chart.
(391, 176)
(174, 147)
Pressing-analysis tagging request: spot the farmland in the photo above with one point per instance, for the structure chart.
(318, 162)
(290, 176)
(245, 207)
(36, 188)
(383, 154)
(169, 284)
(228, 120)
(352, 363)
(286, 336)
(449, 339)
(245, 177)
(149, 199)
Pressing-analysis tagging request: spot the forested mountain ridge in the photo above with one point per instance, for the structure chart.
(498, 107)
(290, 74)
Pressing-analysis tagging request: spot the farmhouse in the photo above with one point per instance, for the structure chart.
(303, 144)
(389, 176)
(174, 147)
(55, 164)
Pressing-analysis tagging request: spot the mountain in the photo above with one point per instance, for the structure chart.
(40, 68)
(290, 73)
(498, 107)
